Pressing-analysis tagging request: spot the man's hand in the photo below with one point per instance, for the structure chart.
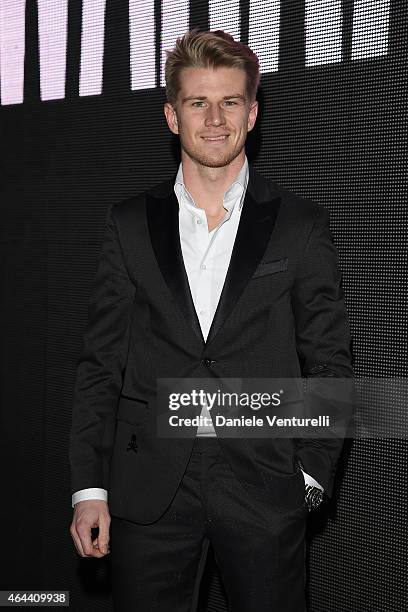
(89, 514)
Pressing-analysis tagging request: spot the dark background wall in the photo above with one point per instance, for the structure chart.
(335, 132)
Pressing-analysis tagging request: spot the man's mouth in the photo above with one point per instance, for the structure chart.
(215, 138)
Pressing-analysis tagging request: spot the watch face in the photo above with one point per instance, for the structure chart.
(314, 497)
(317, 500)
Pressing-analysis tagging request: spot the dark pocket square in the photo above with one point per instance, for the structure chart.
(270, 267)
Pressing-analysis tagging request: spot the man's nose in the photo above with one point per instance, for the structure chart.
(214, 116)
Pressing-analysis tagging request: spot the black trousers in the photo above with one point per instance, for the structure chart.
(260, 551)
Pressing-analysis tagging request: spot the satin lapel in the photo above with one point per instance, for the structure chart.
(163, 223)
(255, 227)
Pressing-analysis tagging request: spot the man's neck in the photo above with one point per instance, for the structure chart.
(208, 185)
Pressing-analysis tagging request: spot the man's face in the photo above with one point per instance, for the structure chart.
(213, 114)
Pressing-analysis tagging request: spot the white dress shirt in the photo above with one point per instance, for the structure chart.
(206, 256)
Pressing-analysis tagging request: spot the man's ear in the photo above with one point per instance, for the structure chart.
(253, 112)
(171, 117)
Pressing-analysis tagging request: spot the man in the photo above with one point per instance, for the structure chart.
(217, 273)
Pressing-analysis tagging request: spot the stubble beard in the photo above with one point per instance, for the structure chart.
(214, 160)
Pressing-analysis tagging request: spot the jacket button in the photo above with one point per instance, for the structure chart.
(208, 362)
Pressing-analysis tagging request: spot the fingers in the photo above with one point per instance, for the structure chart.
(89, 515)
(77, 540)
(84, 533)
(103, 537)
(98, 545)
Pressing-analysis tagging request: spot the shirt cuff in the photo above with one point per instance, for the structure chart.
(93, 493)
(309, 480)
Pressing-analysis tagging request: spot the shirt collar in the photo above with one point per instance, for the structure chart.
(237, 188)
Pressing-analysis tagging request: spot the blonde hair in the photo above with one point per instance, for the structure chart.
(209, 50)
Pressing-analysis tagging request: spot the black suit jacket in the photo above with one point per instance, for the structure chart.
(281, 314)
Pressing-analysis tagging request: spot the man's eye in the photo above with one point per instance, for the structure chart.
(200, 103)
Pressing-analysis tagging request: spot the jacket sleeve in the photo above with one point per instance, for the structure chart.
(323, 340)
(101, 365)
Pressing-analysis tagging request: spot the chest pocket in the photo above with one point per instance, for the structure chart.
(271, 267)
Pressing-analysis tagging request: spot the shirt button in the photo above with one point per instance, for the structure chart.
(203, 267)
(202, 312)
(199, 221)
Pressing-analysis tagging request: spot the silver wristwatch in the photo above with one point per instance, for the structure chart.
(313, 497)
